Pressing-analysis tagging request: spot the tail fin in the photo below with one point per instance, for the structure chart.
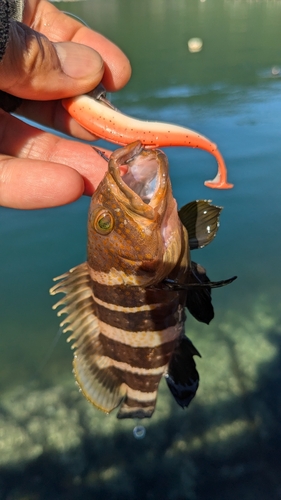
(136, 409)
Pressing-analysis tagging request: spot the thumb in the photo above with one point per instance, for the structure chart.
(35, 68)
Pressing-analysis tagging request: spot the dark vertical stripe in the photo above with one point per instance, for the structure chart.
(132, 296)
(142, 357)
(157, 319)
(141, 404)
(143, 383)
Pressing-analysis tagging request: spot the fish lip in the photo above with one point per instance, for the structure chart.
(132, 200)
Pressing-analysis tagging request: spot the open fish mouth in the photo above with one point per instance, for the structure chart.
(142, 176)
(145, 179)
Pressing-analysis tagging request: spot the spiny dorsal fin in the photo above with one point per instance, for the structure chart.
(93, 371)
(201, 219)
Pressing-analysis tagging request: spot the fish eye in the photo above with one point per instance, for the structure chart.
(103, 221)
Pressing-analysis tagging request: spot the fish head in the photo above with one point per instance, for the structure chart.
(135, 236)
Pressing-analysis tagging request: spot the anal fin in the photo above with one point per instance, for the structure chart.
(182, 377)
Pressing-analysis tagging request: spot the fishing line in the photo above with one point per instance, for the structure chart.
(98, 92)
(51, 349)
(77, 18)
(101, 153)
(172, 285)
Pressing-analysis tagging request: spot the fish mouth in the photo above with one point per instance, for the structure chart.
(144, 181)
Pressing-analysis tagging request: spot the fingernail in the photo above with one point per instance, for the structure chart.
(79, 61)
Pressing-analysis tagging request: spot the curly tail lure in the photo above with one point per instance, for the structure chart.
(97, 115)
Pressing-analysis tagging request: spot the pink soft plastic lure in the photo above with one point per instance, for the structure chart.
(103, 120)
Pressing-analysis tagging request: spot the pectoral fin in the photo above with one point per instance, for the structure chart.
(201, 219)
(182, 377)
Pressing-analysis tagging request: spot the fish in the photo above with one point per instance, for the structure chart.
(126, 305)
(96, 114)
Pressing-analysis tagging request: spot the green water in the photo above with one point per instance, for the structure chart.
(223, 446)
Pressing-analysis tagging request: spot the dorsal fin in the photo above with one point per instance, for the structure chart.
(93, 371)
(96, 377)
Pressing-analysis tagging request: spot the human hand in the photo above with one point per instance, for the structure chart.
(42, 65)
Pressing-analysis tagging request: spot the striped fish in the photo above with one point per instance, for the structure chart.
(125, 306)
